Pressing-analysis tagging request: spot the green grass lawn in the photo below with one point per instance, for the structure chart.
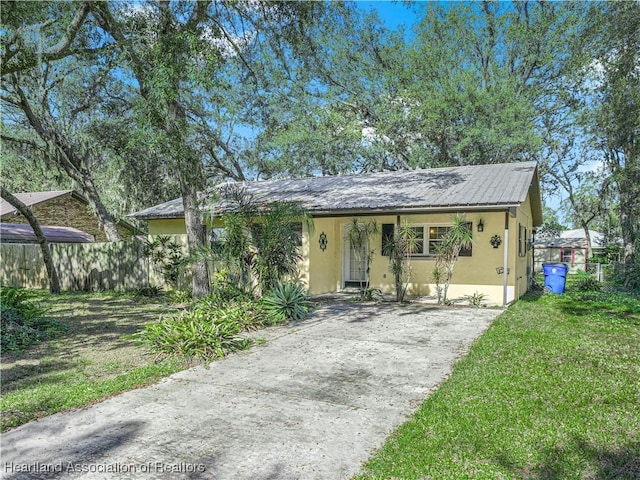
(550, 391)
(88, 363)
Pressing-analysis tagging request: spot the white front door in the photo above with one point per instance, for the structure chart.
(353, 262)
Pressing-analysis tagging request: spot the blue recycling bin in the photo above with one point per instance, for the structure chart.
(555, 275)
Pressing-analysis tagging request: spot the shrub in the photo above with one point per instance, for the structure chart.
(198, 333)
(286, 302)
(225, 291)
(261, 242)
(249, 313)
(152, 291)
(585, 282)
(180, 296)
(369, 294)
(23, 322)
(167, 256)
(476, 299)
(626, 275)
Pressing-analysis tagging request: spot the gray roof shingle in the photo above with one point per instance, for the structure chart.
(476, 186)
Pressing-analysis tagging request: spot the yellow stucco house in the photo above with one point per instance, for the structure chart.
(502, 202)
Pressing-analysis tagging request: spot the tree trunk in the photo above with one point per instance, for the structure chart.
(629, 194)
(52, 273)
(626, 224)
(66, 155)
(104, 217)
(195, 237)
(587, 235)
(73, 163)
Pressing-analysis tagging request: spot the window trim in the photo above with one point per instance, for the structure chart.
(426, 241)
(570, 251)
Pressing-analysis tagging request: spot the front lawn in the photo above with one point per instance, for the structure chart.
(550, 391)
(88, 362)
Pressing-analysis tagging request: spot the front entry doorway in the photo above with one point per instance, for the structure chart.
(353, 263)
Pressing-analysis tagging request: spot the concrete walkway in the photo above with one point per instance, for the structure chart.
(312, 403)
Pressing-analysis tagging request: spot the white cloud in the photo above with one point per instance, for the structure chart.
(227, 45)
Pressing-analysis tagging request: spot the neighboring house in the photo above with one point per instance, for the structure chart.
(18, 233)
(500, 200)
(570, 247)
(64, 208)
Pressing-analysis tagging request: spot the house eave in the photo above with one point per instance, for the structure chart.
(411, 210)
(349, 212)
(172, 216)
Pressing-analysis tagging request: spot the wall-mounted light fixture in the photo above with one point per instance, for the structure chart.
(480, 226)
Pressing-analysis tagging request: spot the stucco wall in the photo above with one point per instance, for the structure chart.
(475, 273)
(322, 270)
(523, 264)
(67, 211)
(172, 226)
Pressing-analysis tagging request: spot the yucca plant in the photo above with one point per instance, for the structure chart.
(459, 236)
(286, 302)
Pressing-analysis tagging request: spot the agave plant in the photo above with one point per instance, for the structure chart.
(286, 302)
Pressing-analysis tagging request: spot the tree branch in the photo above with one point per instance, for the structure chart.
(54, 282)
(23, 141)
(22, 60)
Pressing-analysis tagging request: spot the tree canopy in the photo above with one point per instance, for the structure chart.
(138, 103)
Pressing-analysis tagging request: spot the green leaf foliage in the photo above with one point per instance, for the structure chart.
(261, 242)
(22, 321)
(201, 333)
(286, 302)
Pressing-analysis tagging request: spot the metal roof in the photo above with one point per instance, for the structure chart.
(19, 233)
(488, 187)
(572, 238)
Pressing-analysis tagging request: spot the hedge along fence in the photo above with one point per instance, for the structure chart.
(81, 266)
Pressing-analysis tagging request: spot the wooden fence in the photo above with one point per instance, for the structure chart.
(81, 266)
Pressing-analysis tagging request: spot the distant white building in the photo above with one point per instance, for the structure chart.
(570, 247)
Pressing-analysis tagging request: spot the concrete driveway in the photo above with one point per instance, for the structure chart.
(313, 402)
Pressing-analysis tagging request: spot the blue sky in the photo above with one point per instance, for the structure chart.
(394, 14)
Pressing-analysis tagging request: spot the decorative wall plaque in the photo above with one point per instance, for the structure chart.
(323, 241)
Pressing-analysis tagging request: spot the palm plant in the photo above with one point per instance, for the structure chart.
(261, 246)
(360, 235)
(399, 248)
(459, 236)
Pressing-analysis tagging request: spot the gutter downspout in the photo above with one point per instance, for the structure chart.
(505, 261)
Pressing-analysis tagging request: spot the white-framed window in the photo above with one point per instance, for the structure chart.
(522, 240)
(429, 237)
